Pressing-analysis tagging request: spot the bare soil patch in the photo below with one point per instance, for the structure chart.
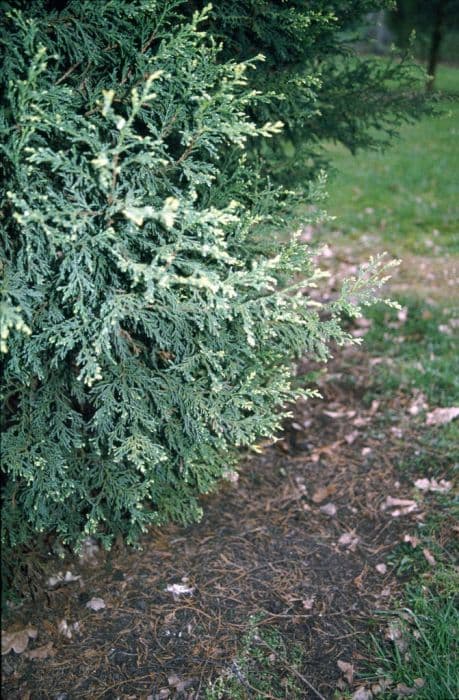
(297, 541)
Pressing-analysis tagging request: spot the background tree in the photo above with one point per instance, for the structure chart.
(432, 21)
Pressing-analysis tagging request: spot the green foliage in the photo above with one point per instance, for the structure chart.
(150, 321)
(314, 81)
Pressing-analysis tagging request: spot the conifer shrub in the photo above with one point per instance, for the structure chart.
(150, 315)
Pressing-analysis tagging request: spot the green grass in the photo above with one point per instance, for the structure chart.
(422, 350)
(407, 195)
(429, 624)
(264, 667)
(406, 200)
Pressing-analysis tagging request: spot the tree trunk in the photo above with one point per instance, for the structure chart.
(436, 39)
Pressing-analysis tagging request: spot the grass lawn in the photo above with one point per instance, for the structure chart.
(408, 195)
(406, 200)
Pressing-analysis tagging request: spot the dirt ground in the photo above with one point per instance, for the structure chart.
(299, 541)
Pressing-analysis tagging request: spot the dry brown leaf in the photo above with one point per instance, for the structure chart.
(351, 437)
(429, 557)
(439, 416)
(433, 485)
(43, 652)
(180, 684)
(358, 581)
(347, 670)
(96, 604)
(412, 540)
(362, 694)
(308, 603)
(328, 509)
(16, 639)
(61, 579)
(407, 506)
(178, 589)
(323, 492)
(349, 540)
(335, 414)
(418, 404)
(390, 501)
(395, 634)
(64, 629)
(403, 691)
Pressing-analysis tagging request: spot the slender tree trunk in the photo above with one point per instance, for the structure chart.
(436, 39)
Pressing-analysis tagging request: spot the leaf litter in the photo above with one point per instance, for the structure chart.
(261, 549)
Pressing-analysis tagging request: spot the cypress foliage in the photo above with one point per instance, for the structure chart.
(149, 317)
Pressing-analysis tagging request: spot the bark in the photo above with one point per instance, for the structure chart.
(436, 39)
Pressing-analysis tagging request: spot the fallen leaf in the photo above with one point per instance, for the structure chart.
(178, 589)
(383, 685)
(362, 694)
(89, 551)
(335, 414)
(64, 629)
(349, 540)
(439, 416)
(390, 502)
(61, 579)
(386, 592)
(402, 314)
(408, 506)
(412, 540)
(358, 581)
(308, 603)
(404, 511)
(328, 509)
(403, 691)
(395, 634)
(17, 639)
(363, 322)
(418, 404)
(430, 559)
(381, 568)
(180, 684)
(422, 484)
(433, 485)
(43, 652)
(323, 492)
(96, 604)
(351, 437)
(347, 670)
(162, 695)
(231, 476)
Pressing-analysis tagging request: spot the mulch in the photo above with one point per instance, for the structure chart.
(270, 546)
